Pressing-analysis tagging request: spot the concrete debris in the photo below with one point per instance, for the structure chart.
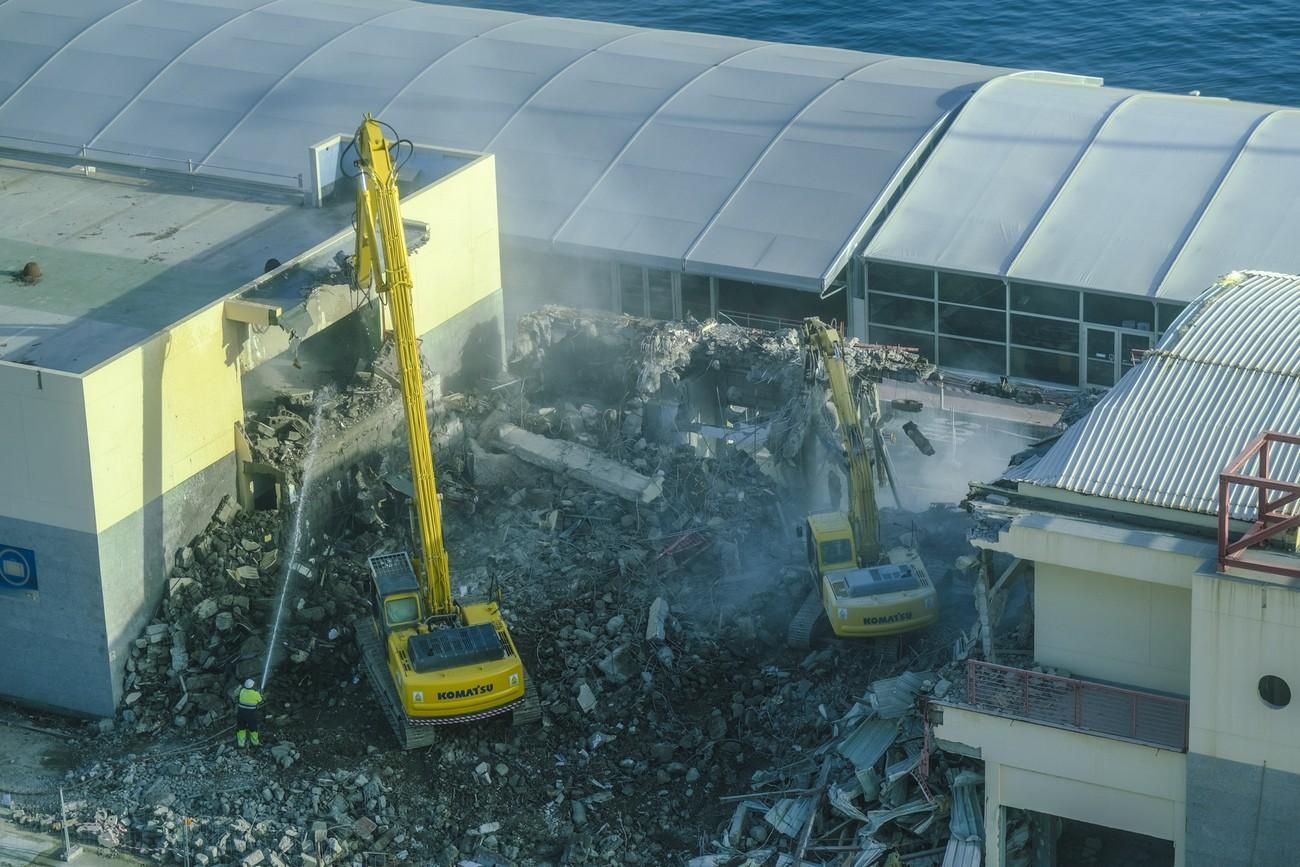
(556, 341)
(579, 462)
(656, 625)
(641, 544)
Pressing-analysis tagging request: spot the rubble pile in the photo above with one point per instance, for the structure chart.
(651, 618)
(211, 630)
(583, 348)
(876, 790)
(1080, 405)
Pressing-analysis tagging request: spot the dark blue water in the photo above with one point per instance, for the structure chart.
(1234, 48)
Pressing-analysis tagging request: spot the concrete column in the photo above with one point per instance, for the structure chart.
(857, 307)
(1180, 833)
(995, 821)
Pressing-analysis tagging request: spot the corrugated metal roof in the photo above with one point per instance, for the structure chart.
(704, 153)
(1228, 370)
(967, 819)
(963, 853)
(1103, 188)
(789, 815)
(868, 742)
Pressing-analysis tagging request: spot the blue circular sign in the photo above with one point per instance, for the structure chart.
(15, 571)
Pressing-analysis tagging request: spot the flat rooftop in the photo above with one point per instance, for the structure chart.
(126, 255)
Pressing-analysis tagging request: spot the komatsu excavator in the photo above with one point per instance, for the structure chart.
(430, 659)
(862, 594)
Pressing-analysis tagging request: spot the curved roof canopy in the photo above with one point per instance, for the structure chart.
(1227, 370)
(704, 153)
(1103, 188)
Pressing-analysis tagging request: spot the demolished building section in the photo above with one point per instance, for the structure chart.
(648, 577)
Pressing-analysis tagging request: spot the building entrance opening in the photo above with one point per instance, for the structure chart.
(1033, 839)
(1112, 353)
(1084, 845)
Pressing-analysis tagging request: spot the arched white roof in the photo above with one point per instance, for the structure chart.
(705, 153)
(1102, 188)
(1227, 371)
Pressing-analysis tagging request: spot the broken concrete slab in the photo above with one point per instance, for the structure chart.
(579, 462)
(656, 626)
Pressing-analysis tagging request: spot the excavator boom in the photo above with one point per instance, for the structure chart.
(432, 660)
(824, 343)
(381, 256)
(860, 595)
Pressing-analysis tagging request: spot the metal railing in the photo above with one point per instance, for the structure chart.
(758, 320)
(1274, 515)
(1077, 704)
(132, 159)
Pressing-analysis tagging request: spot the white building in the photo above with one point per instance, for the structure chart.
(1175, 638)
(1026, 223)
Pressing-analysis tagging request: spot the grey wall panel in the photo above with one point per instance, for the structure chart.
(1240, 815)
(54, 644)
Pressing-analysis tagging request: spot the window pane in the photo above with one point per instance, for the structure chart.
(1131, 349)
(836, 551)
(1045, 366)
(1045, 333)
(595, 276)
(979, 291)
(1135, 313)
(661, 294)
(695, 297)
(969, 355)
(924, 343)
(903, 312)
(968, 322)
(1168, 313)
(1101, 373)
(904, 281)
(1101, 344)
(629, 282)
(1045, 300)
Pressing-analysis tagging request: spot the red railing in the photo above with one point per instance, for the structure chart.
(1077, 704)
(1271, 516)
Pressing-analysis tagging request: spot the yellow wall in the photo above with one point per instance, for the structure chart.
(460, 264)
(1108, 628)
(1244, 630)
(159, 413)
(1077, 776)
(44, 457)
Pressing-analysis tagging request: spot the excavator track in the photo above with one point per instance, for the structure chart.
(799, 633)
(529, 710)
(409, 736)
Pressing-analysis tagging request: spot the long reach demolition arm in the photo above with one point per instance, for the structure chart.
(824, 342)
(381, 255)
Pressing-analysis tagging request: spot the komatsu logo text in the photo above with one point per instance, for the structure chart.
(466, 693)
(897, 617)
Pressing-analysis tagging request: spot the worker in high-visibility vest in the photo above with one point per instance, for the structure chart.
(249, 714)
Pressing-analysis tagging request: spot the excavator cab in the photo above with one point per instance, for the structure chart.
(829, 541)
(397, 592)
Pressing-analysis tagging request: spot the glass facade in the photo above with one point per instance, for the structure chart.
(1028, 331)
(696, 296)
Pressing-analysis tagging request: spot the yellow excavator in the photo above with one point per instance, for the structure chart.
(430, 659)
(862, 594)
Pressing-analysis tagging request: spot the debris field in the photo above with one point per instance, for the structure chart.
(648, 569)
